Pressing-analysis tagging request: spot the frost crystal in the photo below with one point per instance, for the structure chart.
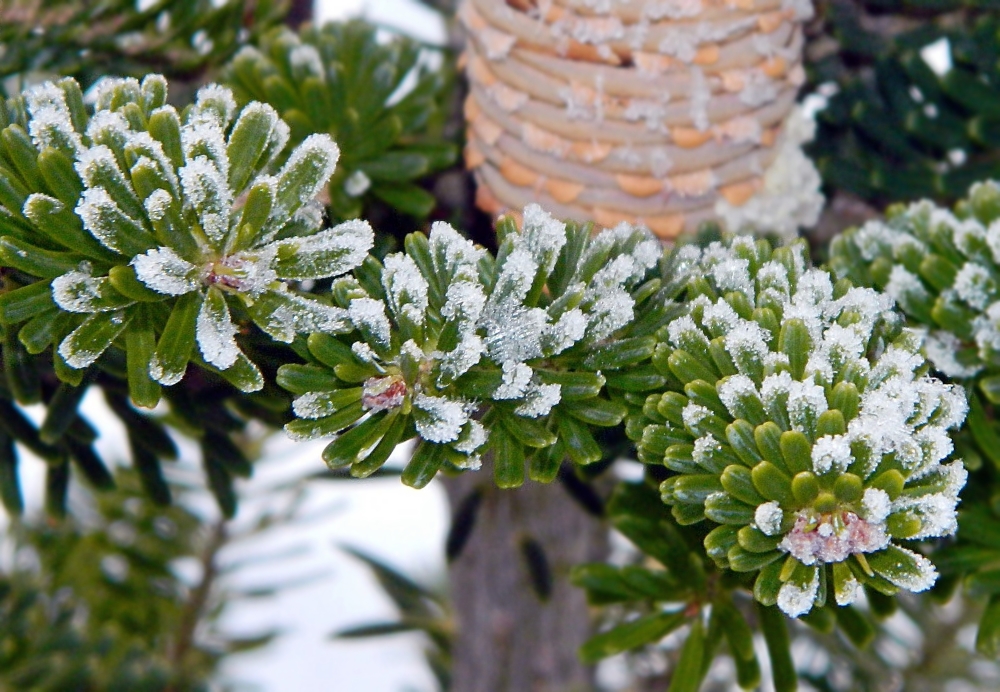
(77, 291)
(516, 378)
(441, 420)
(540, 401)
(405, 287)
(768, 518)
(164, 271)
(795, 600)
(369, 315)
(216, 334)
(308, 169)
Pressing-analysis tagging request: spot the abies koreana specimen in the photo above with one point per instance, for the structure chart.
(133, 224)
(473, 353)
(801, 421)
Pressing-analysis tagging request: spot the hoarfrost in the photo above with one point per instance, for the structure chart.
(569, 329)
(439, 419)
(326, 254)
(369, 316)
(216, 333)
(875, 505)
(405, 287)
(795, 600)
(516, 378)
(464, 356)
(831, 452)
(208, 193)
(454, 256)
(846, 593)
(314, 405)
(77, 291)
(162, 270)
(540, 400)
(941, 348)
(105, 220)
(308, 169)
(543, 236)
(204, 139)
(610, 313)
(911, 571)
(693, 414)
(168, 378)
(735, 389)
(50, 124)
(768, 517)
(464, 302)
(472, 438)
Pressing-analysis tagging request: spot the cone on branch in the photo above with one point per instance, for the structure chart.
(663, 115)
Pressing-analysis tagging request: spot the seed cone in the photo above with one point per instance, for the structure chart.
(668, 116)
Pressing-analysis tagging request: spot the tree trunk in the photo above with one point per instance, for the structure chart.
(520, 622)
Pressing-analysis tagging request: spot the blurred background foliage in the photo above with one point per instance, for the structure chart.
(185, 40)
(381, 99)
(96, 601)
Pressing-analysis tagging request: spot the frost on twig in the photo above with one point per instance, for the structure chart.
(186, 211)
(472, 353)
(806, 428)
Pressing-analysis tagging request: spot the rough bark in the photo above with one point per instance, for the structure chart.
(520, 621)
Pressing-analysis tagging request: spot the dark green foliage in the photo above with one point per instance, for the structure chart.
(88, 40)
(381, 101)
(894, 130)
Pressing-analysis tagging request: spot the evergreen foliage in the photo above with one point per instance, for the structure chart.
(379, 100)
(941, 268)
(450, 343)
(801, 422)
(179, 38)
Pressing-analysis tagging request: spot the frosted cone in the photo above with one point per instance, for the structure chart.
(666, 114)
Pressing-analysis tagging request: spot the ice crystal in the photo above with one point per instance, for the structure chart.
(540, 400)
(77, 291)
(369, 315)
(216, 334)
(305, 173)
(516, 378)
(439, 419)
(406, 288)
(162, 270)
(795, 599)
(768, 518)
(106, 221)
